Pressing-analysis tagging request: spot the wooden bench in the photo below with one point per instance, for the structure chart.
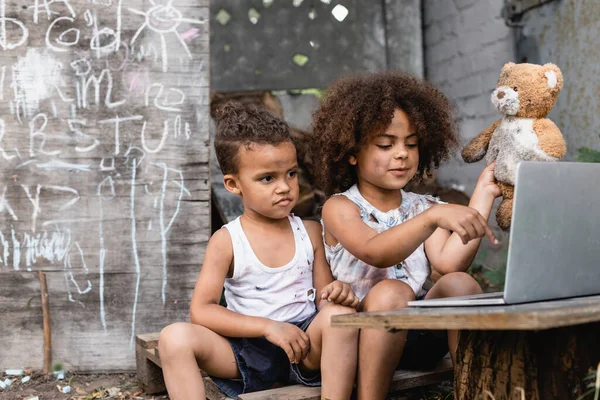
(149, 374)
(539, 350)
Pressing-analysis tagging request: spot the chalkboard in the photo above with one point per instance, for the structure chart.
(104, 162)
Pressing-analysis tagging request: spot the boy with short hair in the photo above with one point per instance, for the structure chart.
(273, 268)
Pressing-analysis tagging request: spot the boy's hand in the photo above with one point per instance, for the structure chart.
(466, 222)
(340, 293)
(486, 182)
(290, 338)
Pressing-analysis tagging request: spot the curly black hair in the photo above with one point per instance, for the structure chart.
(356, 107)
(243, 125)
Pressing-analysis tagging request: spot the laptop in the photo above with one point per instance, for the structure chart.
(554, 244)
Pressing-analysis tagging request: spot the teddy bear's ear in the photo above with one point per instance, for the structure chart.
(507, 66)
(554, 76)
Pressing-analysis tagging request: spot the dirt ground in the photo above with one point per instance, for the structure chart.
(83, 387)
(125, 387)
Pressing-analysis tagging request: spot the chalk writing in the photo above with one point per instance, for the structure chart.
(106, 192)
(101, 98)
(163, 19)
(164, 225)
(23, 32)
(136, 258)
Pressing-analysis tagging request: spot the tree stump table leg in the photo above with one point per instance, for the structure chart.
(548, 364)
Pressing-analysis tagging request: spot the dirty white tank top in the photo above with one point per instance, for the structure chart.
(284, 293)
(414, 270)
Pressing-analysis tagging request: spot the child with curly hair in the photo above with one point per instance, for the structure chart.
(374, 134)
(273, 268)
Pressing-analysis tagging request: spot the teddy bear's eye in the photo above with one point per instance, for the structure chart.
(516, 89)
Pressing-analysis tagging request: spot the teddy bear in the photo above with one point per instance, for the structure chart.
(524, 95)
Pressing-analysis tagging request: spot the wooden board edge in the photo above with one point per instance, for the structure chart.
(303, 393)
(151, 355)
(147, 340)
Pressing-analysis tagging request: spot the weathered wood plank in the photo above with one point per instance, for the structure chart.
(108, 325)
(151, 354)
(212, 391)
(147, 340)
(46, 322)
(531, 316)
(21, 328)
(149, 374)
(294, 392)
(402, 380)
(105, 173)
(407, 379)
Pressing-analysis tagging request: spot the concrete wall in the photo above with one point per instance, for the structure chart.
(566, 33)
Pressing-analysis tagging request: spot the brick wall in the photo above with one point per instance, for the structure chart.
(466, 44)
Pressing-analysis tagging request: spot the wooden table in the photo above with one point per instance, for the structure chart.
(544, 349)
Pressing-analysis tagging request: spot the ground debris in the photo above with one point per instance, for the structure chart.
(124, 386)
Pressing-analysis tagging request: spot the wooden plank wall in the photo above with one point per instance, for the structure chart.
(104, 173)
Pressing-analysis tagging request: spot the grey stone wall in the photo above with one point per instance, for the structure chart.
(403, 34)
(466, 44)
(566, 33)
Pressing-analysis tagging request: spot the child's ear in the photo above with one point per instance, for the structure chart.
(231, 184)
(352, 160)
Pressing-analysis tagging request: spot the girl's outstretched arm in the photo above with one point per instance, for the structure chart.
(342, 221)
(447, 252)
(205, 309)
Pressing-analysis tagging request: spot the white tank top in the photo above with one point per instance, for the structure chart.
(282, 294)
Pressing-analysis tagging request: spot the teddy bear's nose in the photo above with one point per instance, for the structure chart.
(500, 94)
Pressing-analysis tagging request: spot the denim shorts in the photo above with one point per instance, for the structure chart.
(262, 364)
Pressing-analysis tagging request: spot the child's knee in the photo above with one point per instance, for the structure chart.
(459, 284)
(332, 309)
(389, 294)
(174, 339)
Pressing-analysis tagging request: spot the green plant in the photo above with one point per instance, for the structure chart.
(585, 154)
(592, 382)
(496, 276)
(318, 93)
(490, 278)
(58, 367)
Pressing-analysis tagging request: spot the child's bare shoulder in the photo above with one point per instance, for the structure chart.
(312, 227)
(220, 243)
(340, 206)
(221, 236)
(314, 230)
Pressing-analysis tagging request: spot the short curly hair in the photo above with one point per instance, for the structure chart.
(356, 107)
(244, 125)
